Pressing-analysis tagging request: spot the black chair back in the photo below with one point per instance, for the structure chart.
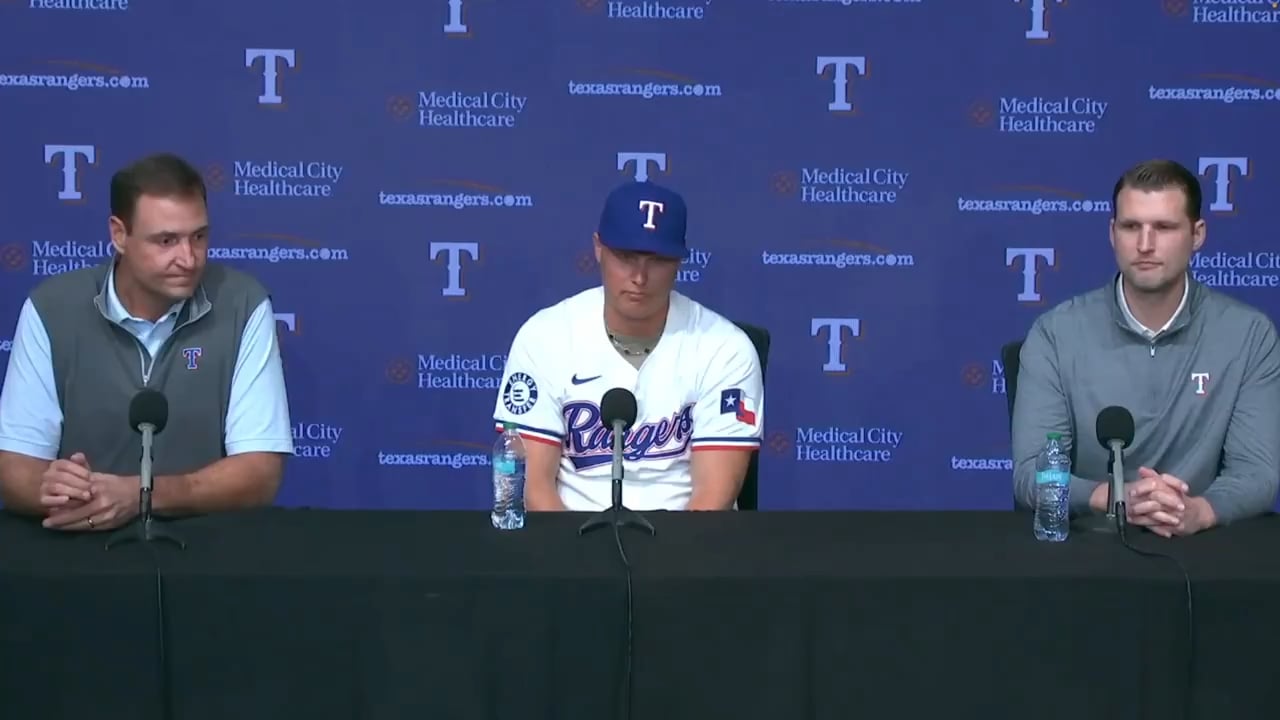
(1009, 357)
(748, 498)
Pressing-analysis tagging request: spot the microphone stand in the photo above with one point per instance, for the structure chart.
(1117, 512)
(144, 528)
(618, 515)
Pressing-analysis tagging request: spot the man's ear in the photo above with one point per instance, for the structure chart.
(1199, 232)
(115, 226)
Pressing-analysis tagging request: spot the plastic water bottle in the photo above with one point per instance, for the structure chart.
(1053, 482)
(508, 480)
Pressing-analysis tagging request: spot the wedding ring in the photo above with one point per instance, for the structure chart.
(90, 523)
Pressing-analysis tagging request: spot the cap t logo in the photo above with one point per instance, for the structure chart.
(650, 207)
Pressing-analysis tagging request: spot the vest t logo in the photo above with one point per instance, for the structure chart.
(1201, 380)
(192, 354)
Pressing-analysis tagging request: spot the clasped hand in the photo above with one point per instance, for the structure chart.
(76, 498)
(1159, 502)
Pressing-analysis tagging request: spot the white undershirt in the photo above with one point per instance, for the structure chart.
(1137, 326)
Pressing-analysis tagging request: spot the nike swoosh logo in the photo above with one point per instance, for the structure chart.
(579, 381)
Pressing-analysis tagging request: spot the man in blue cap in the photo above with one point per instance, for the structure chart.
(695, 375)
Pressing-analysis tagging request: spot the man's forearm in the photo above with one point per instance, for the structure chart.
(718, 476)
(1236, 498)
(20, 478)
(704, 503)
(1089, 496)
(719, 496)
(1083, 494)
(232, 483)
(541, 496)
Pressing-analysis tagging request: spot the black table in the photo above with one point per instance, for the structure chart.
(311, 614)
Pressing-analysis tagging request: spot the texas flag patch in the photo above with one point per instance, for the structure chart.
(735, 401)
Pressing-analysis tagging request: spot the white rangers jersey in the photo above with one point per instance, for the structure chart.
(700, 388)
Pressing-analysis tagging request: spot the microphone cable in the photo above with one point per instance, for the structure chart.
(162, 655)
(630, 653)
(1189, 693)
(166, 693)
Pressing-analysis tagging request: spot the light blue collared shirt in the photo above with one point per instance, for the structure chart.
(257, 414)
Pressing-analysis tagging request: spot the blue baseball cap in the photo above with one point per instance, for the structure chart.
(644, 217)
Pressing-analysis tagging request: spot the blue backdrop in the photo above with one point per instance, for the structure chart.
(892, 188)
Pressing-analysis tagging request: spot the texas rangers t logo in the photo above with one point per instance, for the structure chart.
(1200, 379)
(192, 354)
(650, 207)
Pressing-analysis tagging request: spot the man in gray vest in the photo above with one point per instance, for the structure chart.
(153, 316)
(1198, 370)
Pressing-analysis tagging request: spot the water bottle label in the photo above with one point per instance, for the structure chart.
(1053, 477)
(505, 466)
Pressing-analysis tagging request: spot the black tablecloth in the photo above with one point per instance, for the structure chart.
(369, 615)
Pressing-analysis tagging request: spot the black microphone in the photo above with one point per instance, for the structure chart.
(618, 412)
(1114, 428)
(148, 416)
(148, 412)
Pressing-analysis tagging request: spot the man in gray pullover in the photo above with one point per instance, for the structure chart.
(1199, 371)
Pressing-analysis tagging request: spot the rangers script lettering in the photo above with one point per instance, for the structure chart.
(589, 443)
